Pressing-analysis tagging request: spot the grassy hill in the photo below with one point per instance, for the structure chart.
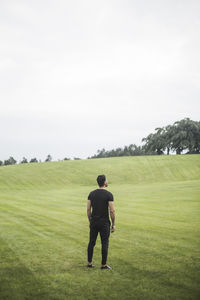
(44, 229)
(120, 170)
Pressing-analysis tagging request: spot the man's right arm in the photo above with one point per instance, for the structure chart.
(112, 214)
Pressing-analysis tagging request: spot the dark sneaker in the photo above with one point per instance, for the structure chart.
(90, 266)
(106, 267)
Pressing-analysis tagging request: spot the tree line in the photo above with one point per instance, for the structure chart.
(12, 161)
(183, 135)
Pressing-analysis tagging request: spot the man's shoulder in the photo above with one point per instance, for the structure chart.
(109, 195)
(109, 192)
(92, 192)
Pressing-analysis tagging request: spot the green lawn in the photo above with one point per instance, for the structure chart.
(44, 230)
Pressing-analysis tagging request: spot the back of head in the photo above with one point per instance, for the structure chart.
(100, 180)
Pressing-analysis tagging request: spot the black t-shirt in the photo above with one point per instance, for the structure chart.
(99, 201)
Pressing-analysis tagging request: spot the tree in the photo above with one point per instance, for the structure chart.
(66, 158)
(10, 161)
(135, 150)
(101, 153)
(155, 142)
(193, 136)
(186, 136)
(24, 161)
(49, 158)
(167, 135)
(33, 160)
(1, 163)
(126, 151)
(182, 135)
(196, 132)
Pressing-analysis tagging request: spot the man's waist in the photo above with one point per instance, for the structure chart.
(99, 218)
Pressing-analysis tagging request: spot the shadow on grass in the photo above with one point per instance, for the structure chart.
(159, 282)
(16, 280)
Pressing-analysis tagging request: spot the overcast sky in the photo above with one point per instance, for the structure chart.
(77, 76)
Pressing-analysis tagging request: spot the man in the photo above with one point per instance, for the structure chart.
(99, 201)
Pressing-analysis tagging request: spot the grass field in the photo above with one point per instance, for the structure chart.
(154, 253)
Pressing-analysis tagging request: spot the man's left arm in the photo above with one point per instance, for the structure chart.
(89, 210)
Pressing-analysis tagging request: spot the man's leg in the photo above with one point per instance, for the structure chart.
(92, 242)
(104, 233)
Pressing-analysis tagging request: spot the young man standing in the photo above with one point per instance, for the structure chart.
(99, 201)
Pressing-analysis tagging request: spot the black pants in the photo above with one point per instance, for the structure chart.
(101, 226)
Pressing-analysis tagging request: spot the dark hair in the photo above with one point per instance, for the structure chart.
(101, 179)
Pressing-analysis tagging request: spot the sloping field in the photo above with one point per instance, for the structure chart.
(44, 230)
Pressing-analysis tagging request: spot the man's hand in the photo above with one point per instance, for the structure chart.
(113, 228)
